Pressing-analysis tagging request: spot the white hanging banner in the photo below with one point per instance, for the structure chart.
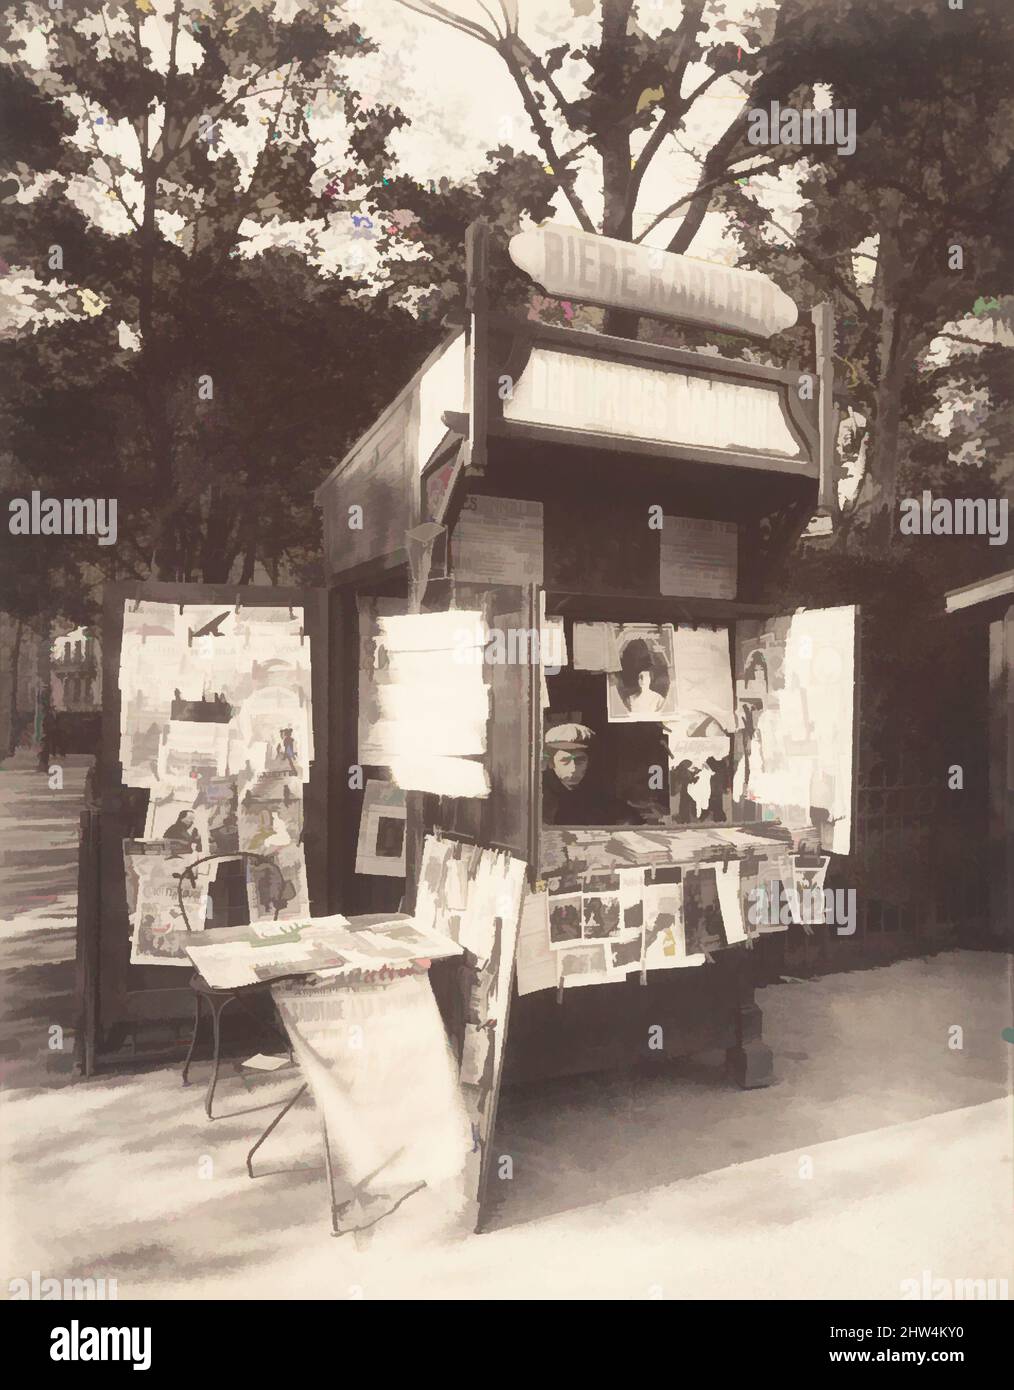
(569, 390)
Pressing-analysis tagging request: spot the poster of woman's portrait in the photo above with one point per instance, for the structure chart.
(643, 688)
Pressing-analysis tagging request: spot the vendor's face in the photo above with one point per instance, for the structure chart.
(570, 765)
(643, 680)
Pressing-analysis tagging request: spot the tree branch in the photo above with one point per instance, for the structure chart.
(454, 21)
(548, 80)
(544, 135)
(820, 263)
(141, 129)
(663, 128)
(94, 138)
(706, 186)
(961, 338)
(245, 200)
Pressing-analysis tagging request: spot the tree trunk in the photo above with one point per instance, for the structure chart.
(884, 454)
(891, 368)
(250, 551)
(12, 736)
(169, 547)
(617, 218)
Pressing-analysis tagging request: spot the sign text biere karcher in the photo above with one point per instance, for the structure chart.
(619, 274)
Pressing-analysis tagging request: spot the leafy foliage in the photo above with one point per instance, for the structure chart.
(137, 318)
(906, 232)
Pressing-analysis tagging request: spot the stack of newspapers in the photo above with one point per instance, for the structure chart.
(273, 950)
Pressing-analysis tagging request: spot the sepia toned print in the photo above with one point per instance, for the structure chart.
(506, 669)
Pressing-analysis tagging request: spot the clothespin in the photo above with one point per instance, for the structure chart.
(302, 634)
(559, 993)
(239, 605)
(137, 605)
(181, 610)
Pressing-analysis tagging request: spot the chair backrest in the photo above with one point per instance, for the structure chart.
(282, 892)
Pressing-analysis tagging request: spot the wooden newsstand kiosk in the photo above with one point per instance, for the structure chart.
(597, 431)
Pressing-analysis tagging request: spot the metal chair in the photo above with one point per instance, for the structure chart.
(218, 999)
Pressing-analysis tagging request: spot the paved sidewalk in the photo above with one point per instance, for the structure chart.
(709, 1193)
(673, 1185)
(621, 1185)
(38, 903)
(39, 838)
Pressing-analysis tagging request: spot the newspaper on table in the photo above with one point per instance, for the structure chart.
(275, 950)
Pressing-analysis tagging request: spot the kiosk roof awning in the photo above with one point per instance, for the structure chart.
(560, 385)
(554, 386)
(521, 382)
(984, 594)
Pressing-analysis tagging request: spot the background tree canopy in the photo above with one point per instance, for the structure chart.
(216, 270)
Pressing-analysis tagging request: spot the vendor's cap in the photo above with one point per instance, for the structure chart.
(569, 736)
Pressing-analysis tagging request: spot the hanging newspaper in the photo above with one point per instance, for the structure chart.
(215, 721)
(157, 878)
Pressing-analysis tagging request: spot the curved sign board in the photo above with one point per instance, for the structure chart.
(622, 275)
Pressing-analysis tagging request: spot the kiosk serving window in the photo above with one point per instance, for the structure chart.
(640, 726)
(707, 725)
